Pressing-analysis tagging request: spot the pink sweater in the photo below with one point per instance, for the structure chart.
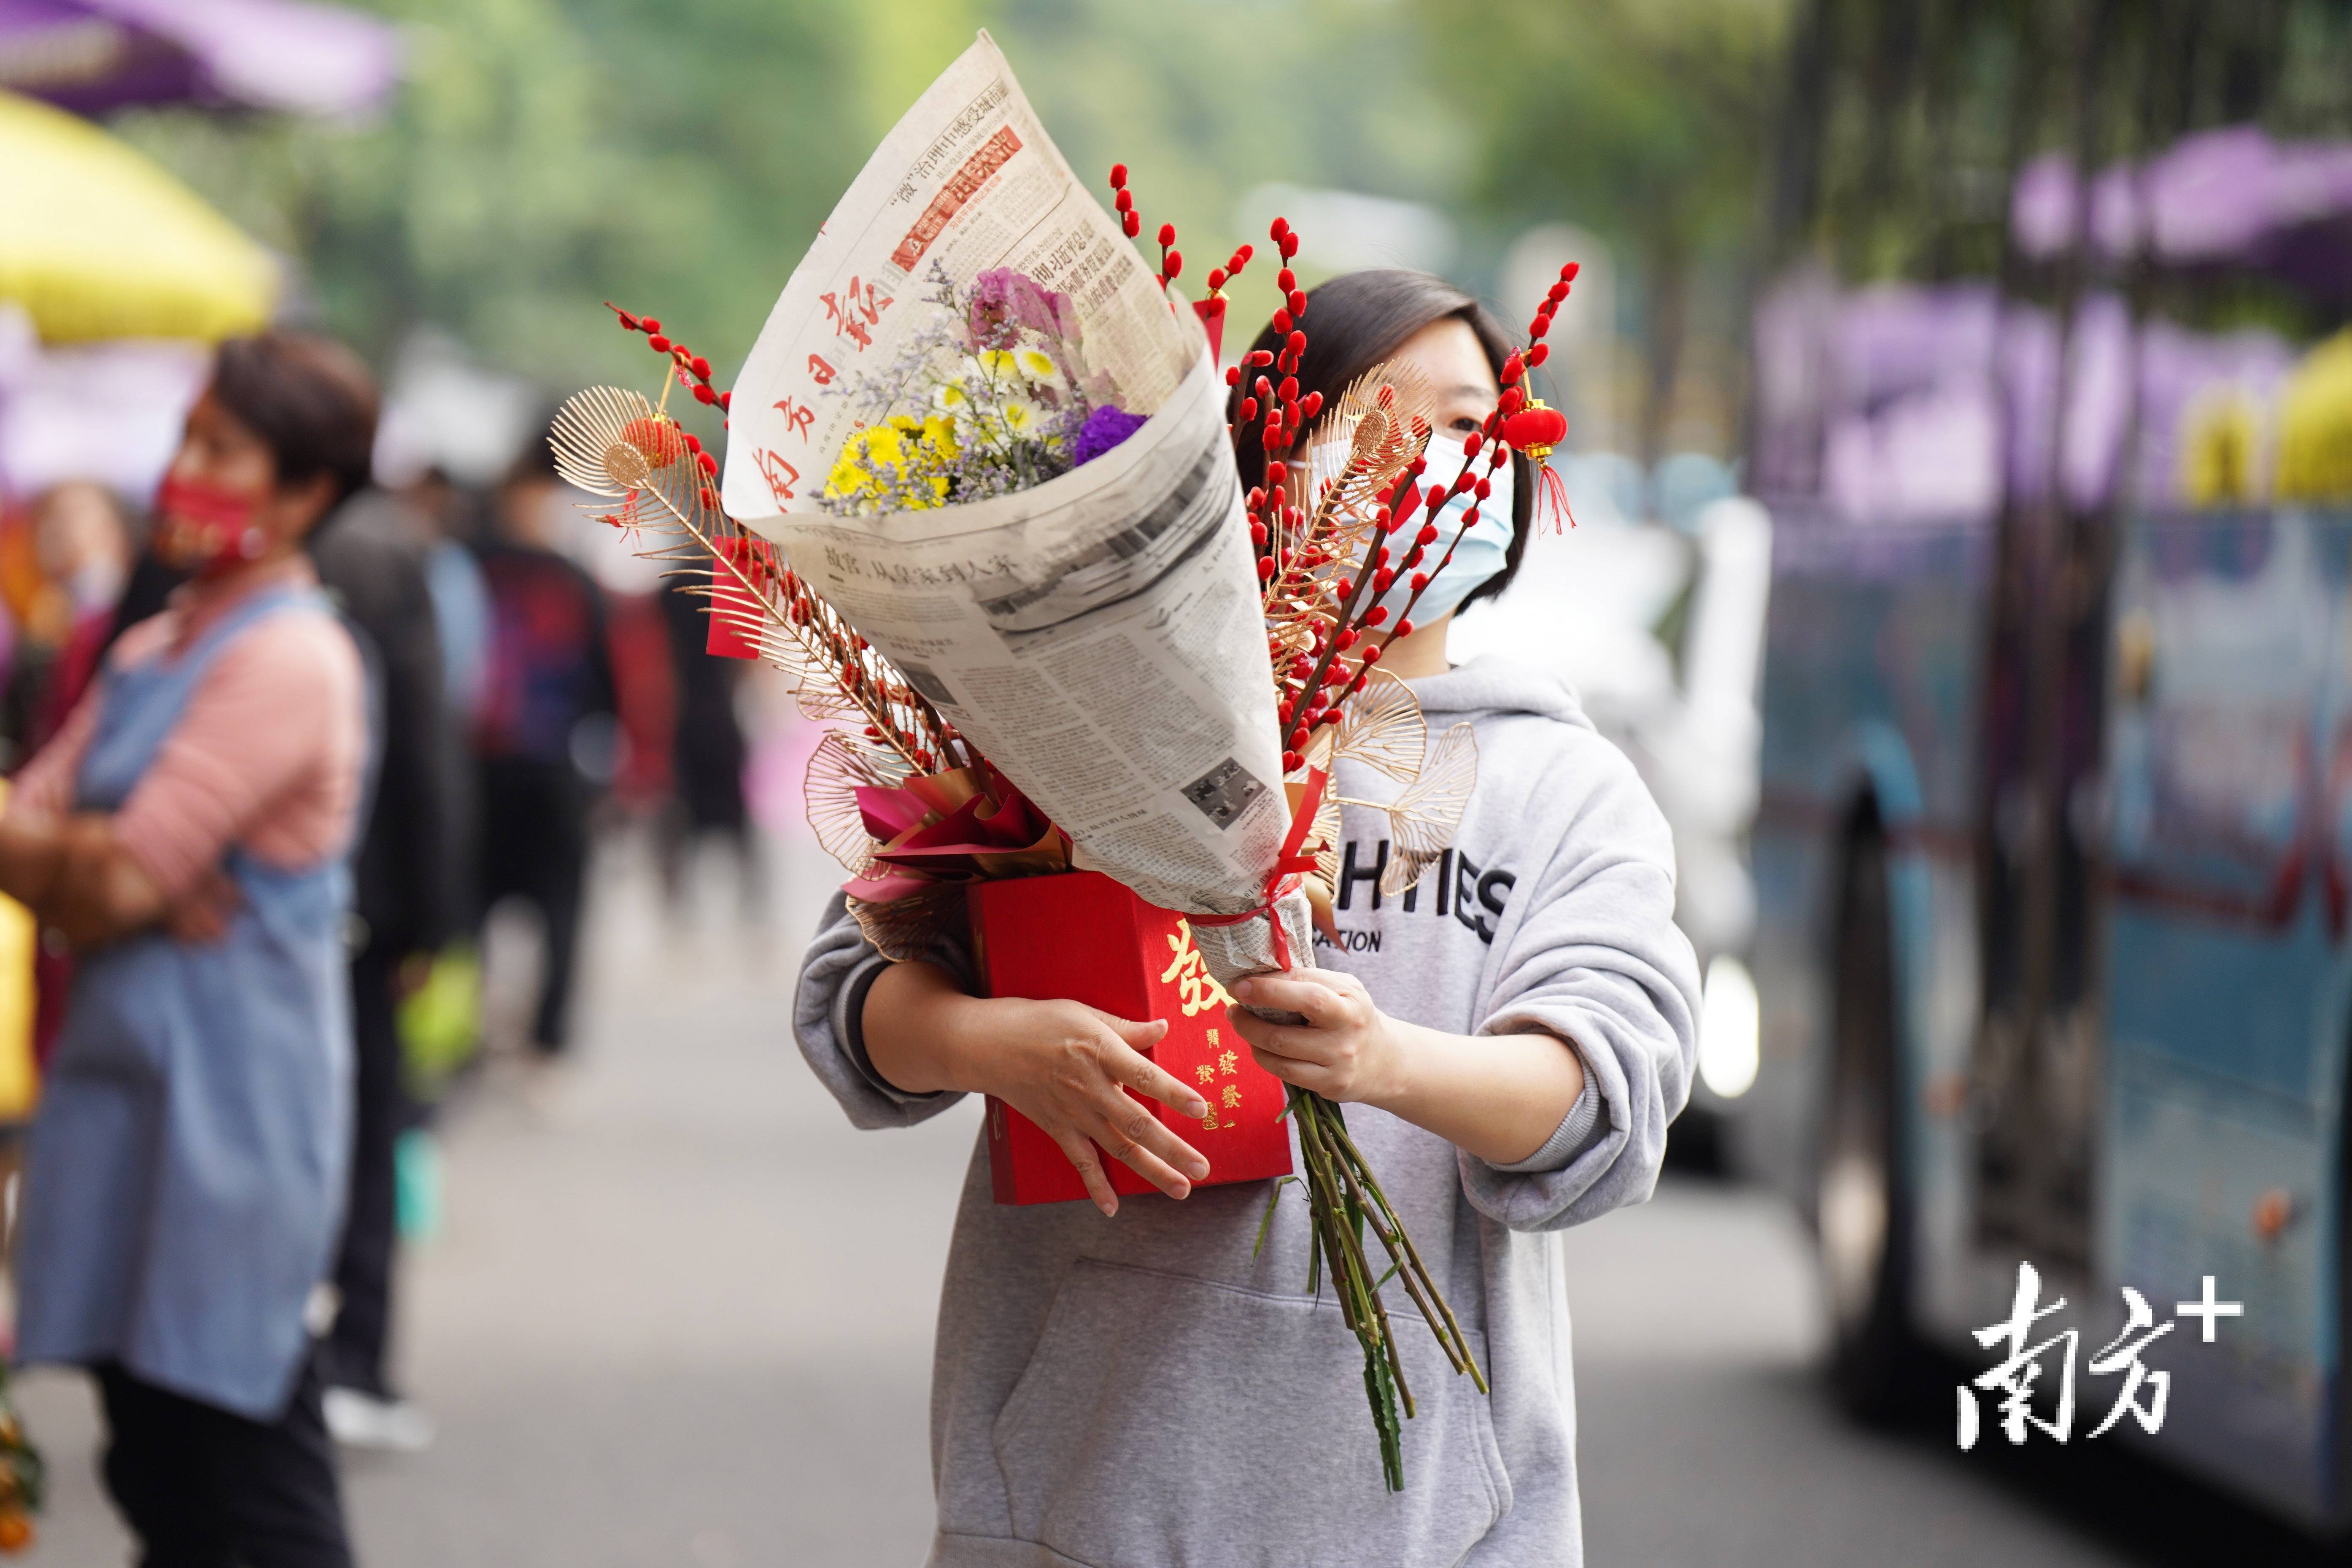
(267, 755)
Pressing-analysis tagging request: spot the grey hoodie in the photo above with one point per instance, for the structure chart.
(1140, 1392)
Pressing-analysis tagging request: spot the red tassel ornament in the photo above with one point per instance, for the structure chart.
(1533, 432)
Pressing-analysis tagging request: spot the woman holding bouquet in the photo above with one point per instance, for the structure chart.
(1147, 1385)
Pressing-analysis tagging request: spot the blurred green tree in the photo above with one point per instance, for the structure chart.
(543, 155)
(540, 158)
(1647, 121)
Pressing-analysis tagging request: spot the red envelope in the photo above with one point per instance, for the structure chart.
(728, 598)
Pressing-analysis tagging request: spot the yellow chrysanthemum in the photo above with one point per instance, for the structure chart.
(854, 471)
(901, 462)
(940, 437)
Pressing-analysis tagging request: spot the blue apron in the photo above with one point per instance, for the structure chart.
(186, 1176)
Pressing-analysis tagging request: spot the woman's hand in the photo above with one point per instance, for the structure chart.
(1500, 1097)
(203, 914)
(1347, 1049)
(101, 893)
(1065, 1065)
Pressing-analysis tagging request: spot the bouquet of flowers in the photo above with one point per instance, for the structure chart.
(992, 397)
(1030, 479)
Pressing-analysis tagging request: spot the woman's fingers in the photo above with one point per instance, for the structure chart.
(1130, 1134)
(1307, 1045)
(203, 914)
(1303, 992)
(1140, 1035)
(1146, 1077)
(1097, 1115)
(1307, 1075)
(1082, 1156)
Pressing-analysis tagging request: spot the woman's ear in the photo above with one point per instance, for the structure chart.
(303, 506)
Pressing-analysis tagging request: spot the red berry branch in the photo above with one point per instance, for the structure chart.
(1344, 649)
(693, 370)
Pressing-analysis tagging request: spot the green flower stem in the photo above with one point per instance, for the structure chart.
(1357, 1179)
(1343, 1198)
(1358, 1214)
(1358, 1305)
(1415, 1269)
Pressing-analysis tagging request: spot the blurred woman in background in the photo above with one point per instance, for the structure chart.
(544, 731)
(187, 831)
(83, 544)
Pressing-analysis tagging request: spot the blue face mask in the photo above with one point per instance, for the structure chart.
(1484, 550)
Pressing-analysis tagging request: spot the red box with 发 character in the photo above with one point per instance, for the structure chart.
(1084, 937)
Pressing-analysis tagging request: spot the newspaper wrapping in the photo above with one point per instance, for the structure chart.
(1099, 636)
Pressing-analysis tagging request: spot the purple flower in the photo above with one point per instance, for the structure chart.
(1105, 427)
(991, 317)
(1005, 302)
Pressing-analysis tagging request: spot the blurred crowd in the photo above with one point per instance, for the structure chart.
(531, 685)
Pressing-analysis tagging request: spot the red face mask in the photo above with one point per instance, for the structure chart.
(203, 528)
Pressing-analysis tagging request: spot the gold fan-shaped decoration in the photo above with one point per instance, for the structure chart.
(1376, 427)
(1384, 417)
(612, 443)
(909, 927)
(837, 769)
(1380, 726)
(1325, 838)
(1422, 819)
(591, 448)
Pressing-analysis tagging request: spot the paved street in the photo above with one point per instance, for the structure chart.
(681, 1314)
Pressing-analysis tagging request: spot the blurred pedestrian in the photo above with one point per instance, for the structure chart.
(461, 603)
(708, 751)
(187, 830)
(370, 556)
(544, 734)
(83, 543)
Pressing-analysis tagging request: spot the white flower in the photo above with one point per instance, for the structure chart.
(1035, 364)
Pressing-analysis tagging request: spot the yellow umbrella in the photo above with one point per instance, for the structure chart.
(97, 241)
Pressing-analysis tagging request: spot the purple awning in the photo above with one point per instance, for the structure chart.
(92, 56)
(2227, 196)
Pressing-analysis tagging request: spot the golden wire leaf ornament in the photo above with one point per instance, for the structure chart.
(1373, 430)
(837, 769)
(1380, 726)
(612, 442)
(592, 444)
(907, 927)
(1422, 819)
(1326, 838)
(1384, 415)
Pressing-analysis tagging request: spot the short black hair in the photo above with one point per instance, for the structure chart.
(1353, 322)
(309, 399)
